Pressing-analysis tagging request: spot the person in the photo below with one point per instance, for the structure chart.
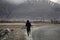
(28, 27)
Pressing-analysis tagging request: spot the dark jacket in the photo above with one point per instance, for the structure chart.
(28, 24)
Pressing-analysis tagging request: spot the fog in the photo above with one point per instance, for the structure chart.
(15, 1)
(56, 1)
(31, 9)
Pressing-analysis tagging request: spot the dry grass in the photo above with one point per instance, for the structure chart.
(16, 34)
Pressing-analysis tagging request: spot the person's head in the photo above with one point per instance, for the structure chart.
(27, 20)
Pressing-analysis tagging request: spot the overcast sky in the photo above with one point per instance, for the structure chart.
(21, 1)
(57, 1)
(27, 10)
(15, 1)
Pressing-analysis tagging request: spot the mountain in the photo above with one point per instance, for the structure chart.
(38, 10)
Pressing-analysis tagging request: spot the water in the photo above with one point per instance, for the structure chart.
(48, 32)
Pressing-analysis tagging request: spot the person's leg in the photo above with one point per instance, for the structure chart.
(28, 31)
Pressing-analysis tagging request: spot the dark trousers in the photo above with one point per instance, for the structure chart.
(28, 31)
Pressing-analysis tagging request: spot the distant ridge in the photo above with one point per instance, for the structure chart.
(30, 10)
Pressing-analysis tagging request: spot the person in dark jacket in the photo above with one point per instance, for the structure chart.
(28, 27)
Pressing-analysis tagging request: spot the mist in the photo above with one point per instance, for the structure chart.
(32, 9)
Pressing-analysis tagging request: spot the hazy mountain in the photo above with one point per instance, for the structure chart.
(30, 10)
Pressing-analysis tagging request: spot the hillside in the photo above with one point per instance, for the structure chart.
(40, 10)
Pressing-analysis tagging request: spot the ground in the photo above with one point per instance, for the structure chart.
(42, 32)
